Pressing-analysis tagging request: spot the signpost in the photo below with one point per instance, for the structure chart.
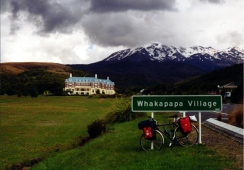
(174, 103)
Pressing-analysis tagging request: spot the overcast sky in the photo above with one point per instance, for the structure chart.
(87, 31)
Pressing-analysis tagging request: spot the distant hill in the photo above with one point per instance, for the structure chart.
(33, 78)
(19, 67)
(130, 74)
(205, 83)
(220, 77)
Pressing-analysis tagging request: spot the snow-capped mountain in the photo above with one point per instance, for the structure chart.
(154, 64)
(203, 57)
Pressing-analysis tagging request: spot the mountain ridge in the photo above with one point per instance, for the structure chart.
(206, 58)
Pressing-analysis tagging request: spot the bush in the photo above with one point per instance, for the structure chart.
(236, 116)
(219, 116)
(121, 112)
(97, 128)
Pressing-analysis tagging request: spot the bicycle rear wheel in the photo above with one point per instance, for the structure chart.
(189, 139)
(152, 145)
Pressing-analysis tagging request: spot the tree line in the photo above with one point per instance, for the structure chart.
(32, 83)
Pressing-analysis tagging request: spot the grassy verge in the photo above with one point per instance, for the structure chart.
(119, 149)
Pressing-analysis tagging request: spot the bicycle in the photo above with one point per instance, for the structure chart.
(173, 132)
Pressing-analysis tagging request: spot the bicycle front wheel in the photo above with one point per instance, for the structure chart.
(189, 139)
(152, 145)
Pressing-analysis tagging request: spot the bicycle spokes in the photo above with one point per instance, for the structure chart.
(155, 144)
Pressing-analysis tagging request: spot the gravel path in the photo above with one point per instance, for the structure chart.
(223, 144)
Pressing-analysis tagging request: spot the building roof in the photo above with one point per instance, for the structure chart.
(228, 86)
(89, 80)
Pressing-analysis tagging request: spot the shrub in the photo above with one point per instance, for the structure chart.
(121, 112)
(97, 128)
(219, 116)
(236, 116)
(33, 94)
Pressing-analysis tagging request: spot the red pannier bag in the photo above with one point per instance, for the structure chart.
(147, 131)
(185, 124)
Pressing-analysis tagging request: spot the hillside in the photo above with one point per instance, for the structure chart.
(19, 67)
(130, 74)
(33, 78)
(205, 83)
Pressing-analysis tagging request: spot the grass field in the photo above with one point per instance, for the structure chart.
(34, 127)
(49, 127)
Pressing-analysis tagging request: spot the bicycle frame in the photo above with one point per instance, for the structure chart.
(173, 126)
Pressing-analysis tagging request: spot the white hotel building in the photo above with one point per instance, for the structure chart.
(88, 86)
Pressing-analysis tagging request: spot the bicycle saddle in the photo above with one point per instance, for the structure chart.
(174, 116)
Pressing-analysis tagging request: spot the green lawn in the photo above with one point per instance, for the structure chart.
(34, 127)
(49, 127)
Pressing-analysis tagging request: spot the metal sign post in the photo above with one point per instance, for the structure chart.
(152, 142)
(180, 103)
(184, 114)
(200, 128)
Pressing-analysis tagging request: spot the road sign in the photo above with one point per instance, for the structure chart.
(172, 103)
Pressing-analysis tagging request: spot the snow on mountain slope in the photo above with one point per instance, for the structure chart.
(160, 53)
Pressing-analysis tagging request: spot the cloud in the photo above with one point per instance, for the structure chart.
(4, 4)
(64, 30)
(214, 1)
(234, 38)
(61, 16)
(102, 6)
(49, 16)
(113, 24)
